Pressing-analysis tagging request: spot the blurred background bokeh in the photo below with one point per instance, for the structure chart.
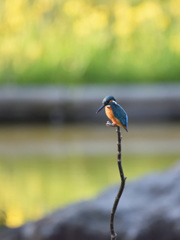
(59, 59)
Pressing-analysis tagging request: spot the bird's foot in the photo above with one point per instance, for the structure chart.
(109, 124)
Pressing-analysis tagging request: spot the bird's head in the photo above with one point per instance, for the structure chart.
(106, 101)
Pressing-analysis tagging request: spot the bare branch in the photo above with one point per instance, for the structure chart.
(123, 180)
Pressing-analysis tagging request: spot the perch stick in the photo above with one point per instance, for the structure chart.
(123, 179)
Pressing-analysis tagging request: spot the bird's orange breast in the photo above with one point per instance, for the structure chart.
(110, 115)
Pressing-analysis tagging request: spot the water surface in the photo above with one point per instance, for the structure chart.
(44, 167)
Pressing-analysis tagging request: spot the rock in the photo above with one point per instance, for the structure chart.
(149, 209)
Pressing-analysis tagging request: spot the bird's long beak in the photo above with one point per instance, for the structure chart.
(100, 108)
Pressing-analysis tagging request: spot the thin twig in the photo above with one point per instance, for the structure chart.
(123, 180)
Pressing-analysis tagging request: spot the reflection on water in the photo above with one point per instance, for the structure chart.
(45, 167)
(68, 140)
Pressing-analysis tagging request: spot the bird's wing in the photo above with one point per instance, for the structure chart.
(120, 114)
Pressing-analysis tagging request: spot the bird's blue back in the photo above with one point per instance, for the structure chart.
(119, 113)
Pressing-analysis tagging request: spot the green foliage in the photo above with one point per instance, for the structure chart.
(70, 42)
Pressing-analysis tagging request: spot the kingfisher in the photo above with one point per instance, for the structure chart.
(114, 112)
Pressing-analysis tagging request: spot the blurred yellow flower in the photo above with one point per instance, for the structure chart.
(14, 217)
(174, 43)
(42, 6)
(147, 10)
(174, 6)
(33, 50)
(14, 16)
(95, 20)
(162, 21)
(7, 47)
(124, 22)
(74, 8)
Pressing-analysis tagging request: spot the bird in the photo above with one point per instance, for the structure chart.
(114, 112)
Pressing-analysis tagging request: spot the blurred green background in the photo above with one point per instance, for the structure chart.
(77, 43)
(70, 42)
